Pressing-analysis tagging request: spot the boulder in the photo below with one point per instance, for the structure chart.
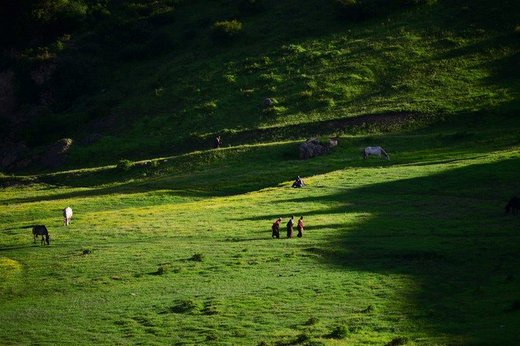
(312, 147)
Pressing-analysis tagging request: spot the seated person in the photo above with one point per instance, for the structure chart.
(298, 182)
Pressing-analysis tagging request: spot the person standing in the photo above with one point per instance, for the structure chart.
(290, 225)
(218, 142)
(276, 228)
(300, 227)
(298, 182)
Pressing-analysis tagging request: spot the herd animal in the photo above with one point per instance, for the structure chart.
(67, 216)
(512, 206)
(41, 230)
(378, 151)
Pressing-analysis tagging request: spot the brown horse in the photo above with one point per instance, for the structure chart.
(41, 230)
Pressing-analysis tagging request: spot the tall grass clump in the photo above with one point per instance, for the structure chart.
(227, 30)
(124, 165)
(340, 332)
(183, 306)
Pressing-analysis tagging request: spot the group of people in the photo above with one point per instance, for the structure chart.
(290, 227)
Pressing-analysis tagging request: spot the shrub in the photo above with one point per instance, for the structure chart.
(225, 31)
(212, 336)
(368, 309)
(326, 102)
(340, 332)
(183, 306)
(306, 94)
(311, 321)
(302, 339)
(160, 271)
(275, 110)
(125, 165)
(209, 309)
(198, 257)
(397, 341)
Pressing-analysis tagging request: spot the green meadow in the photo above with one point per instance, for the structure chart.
(414, 250)
(170, 242)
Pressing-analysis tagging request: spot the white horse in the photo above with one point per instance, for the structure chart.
(374, 151)
(67, 216)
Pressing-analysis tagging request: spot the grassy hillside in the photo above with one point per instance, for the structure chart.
(416, 250)
(173, 245)
(435, 59)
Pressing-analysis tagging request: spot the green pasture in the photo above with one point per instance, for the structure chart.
(415, 250)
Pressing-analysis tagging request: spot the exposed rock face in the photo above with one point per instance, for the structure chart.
(7, 94)
(312, 147)
(11, 153)
(55, 155)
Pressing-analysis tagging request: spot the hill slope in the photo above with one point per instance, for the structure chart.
(437, 59)
(176, 248)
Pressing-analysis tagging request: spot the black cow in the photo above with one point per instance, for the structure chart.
(513, 206)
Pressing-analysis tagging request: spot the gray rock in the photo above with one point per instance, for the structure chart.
(312, 147)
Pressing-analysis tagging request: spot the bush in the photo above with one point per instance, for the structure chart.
(340, 332)
(210, 309)
(311, 321)
(225, 31)
(125, 165)
(160, 271)
(198, 257)
(183, 306)
(274, 110)
(397, 341)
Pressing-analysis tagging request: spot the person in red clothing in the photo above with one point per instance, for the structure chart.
(276, 228)
(290, 225)
(300, 227)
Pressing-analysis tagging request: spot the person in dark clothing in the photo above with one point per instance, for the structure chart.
(298, 182)
(300, 227)
(276, 228)
(290, 225)
(218, 142)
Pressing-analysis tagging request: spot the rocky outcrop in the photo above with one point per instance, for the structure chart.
(11, 153)
(313, 147)
(56, 154)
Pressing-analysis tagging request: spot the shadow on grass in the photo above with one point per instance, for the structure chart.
(447, 231)
(264, 167)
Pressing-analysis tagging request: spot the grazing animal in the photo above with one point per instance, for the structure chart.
(67, 216)
(513, 206)
(374, 151)
(41, 230)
